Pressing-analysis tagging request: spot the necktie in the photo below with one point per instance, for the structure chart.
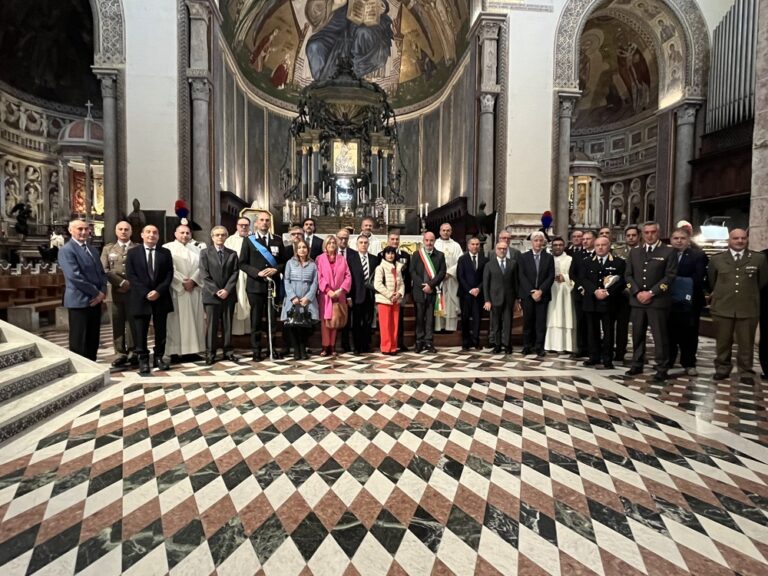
(88, 252)
(648, 249)
(221, 256)
(738, 258)
(679, 257)
(151, 262)
(364, 261)
(474, 261)
(342, 252)
(264, 240)
(602, 261)
(503, 263)
(536, 259)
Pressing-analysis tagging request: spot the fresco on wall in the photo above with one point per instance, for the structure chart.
(618, 74)
(409, 49)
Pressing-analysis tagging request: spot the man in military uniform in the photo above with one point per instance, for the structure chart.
(602, 283)
(650, 270)
(736, 277)
(580, 255)
(113, 260)
(631, 239)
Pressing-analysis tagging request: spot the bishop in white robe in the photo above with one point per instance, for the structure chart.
(561, 318)
(186, 324)
(450, 288)
(241, 321)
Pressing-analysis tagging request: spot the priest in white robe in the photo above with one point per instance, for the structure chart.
(186, 324)
(450, 289)
(561, 319)
(241, 322)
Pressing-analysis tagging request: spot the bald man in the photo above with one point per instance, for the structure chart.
(86, 289)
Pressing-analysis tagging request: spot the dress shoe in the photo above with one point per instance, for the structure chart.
(161, 364)
(133, 360)
(465, 348)
(144, 366)
(721, 376)
(497, 350)
(430, 348)
(210, 360)
(276, 355)
(540, 354)
(661, 376)
(478, 346)
(747, 379)
(608, 366)
(589, 363)
(634, 371)
(526, 351)
(230, 356)
(691, 372)
(403, 348)
(419, 348)
(121, 361)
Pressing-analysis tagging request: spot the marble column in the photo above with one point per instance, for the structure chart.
(685, 149)
(88, 189)
(199, 77)
(562, 210)
(306, 192)
(758, 202)
(112, 203)
(485, 152)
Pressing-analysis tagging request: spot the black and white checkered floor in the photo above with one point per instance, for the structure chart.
(445, 464)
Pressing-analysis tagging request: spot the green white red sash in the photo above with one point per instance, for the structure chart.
(429, 266)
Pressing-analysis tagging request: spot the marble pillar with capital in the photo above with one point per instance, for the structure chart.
(488, 33)
(685, 149)
(485, 151)
(567, 103)
(108, 79)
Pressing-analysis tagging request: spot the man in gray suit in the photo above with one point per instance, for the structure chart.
(500, 291)
(219, 267)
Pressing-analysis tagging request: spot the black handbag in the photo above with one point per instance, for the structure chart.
(299, 317)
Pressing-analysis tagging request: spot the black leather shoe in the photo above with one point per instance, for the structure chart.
(121, 361)
(210, 360)
(277, 355)
(497, 350)
(749, 380)
(230, 356)
(256, 355)
(589, 363)
(431, 349)
(419, 348)
(634, 371)
(403, 348)
(540, 354)
(661, 376)
(133, 360)
(608, 366)
(721, 376)
(526, 351)
(144, 366)
(465, 348)
(161, 364)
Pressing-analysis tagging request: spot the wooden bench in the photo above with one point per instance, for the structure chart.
(27, 316)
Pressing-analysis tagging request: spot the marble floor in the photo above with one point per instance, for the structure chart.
(447, 464)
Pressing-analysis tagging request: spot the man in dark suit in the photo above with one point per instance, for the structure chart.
(631, 239)
(602, 282)
(427, 273)
(86, 289)
(315, 243)
(401, 257)
(650, 272)
(343, 250)
(500, 295)
(296, 234)
(262, 256)
(582, 249)
(687, 295)
(537, 274)
(469, 273)
(361, 266)
(219, 267)
(149, 268)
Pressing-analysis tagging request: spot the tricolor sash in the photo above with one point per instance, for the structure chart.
(429, 266)
(263, 251)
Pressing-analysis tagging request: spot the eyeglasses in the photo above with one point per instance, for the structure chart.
(243, 225)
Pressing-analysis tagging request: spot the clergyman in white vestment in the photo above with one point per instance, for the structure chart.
(186, 324)
(450, 290)
(241, 322)
(561, 321)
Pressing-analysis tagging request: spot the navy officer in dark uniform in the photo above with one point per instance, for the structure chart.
(651, 268)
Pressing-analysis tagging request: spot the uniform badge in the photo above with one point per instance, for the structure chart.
(275, 250)
(663, 287)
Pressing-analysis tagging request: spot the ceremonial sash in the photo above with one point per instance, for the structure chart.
(429, 266)
(263, 251)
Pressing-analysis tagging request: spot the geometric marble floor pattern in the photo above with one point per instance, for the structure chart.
(525, 473)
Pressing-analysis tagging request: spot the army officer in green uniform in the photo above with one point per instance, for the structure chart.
(113, 260)
(736, 277)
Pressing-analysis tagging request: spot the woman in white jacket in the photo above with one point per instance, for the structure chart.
(390, 291)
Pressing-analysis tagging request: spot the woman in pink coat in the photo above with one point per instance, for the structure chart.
(333, 283)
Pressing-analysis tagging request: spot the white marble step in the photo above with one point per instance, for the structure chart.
(13, 353)
(20, 378)
(27, 409)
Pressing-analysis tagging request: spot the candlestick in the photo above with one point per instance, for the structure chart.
(426, 209)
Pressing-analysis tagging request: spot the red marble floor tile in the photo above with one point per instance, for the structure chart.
(255, 513)
(293, 511)
(65, 519)
(329, 510)
(141, 518)
(366, 508)
(217, 515)
(101, 519)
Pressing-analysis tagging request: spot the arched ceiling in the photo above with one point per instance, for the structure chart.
(46, 49)
(409, 48)
(632, 56)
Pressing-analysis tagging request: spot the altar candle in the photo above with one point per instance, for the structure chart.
(426, 209)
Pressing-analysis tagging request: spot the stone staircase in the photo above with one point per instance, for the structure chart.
(38, 378)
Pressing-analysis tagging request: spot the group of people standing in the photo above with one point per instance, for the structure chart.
(579, 299)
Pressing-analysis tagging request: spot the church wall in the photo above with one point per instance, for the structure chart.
(529, 112)
(151, 102)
